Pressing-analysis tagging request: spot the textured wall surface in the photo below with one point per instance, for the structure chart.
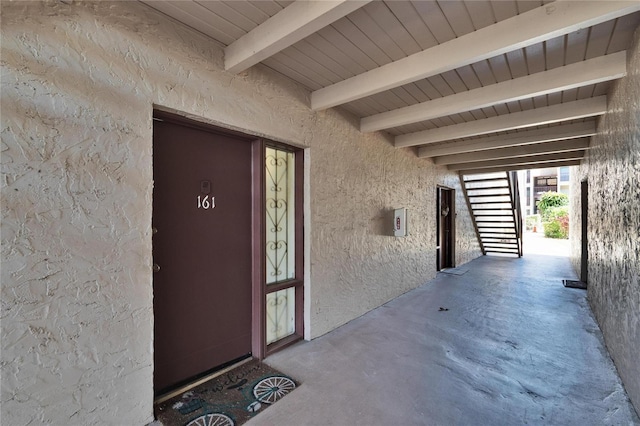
(79, 83)
(612, 170)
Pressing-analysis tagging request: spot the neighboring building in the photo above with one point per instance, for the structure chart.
(535, 182)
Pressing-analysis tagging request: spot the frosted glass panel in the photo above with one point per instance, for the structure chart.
(281, 312)
(280, 215)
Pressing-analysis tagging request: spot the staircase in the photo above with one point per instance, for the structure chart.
(494, 204)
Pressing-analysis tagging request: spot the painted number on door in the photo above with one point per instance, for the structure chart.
(206, 202)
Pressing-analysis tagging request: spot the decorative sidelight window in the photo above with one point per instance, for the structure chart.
(282, 248)
(281, 312)
(280, 215)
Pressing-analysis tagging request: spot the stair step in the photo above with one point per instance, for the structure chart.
(489, 195)
(507, 249)
(491, 208)
(486, 179)
(491, 240)
(487, 187)
(497, 221)
(494, 226)
(497, 233)
(503, 252)
(490, 202)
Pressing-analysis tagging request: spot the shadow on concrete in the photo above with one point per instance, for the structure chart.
(502, 344)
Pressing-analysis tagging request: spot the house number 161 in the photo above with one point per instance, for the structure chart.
(206, 202)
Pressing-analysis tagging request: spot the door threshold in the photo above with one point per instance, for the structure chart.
(199, 381)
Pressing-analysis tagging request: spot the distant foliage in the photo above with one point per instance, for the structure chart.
(531, 221)
(550, 200)
(555, 214)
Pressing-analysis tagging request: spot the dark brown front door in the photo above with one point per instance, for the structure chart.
(584, 257)
(445, 233)
(202, 246)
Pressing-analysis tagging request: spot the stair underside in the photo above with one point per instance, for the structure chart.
(492, 210)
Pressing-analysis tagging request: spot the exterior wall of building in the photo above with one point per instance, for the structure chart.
(79, 84)
(612, 170)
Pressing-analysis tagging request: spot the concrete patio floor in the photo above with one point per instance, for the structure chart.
(514, 347)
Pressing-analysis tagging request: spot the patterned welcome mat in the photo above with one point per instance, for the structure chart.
(227, 400)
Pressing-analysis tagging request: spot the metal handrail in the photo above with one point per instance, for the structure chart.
(517, 208)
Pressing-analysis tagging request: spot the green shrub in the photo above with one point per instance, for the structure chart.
(557, 224)
(550, 200)
(552, 229)
(557, 212)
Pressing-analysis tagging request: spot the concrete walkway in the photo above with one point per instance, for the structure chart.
(511, 346)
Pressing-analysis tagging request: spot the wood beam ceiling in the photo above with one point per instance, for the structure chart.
(513, 167)
(540, 24)
(295, 22)
(580, 74)
(525, 161)
(547, 134)
(535, 117)
(313, 43)
(515, 151)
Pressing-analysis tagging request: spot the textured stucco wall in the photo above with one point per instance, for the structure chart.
(612, 169)
(79, 82)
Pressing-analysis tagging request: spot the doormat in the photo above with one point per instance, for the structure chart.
(455, 271)
(574, 284)
(227, 400)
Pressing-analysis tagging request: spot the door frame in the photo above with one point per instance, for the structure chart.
(259, 289)
(440, 189)
(584, 246)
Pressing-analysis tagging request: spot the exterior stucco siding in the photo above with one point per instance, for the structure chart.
(79, 84)
(612, 170)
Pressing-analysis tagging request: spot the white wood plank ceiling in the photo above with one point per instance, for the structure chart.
(475, 85)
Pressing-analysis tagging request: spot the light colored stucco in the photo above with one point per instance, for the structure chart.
(612, 169)
(514, 348)
(79, 84)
